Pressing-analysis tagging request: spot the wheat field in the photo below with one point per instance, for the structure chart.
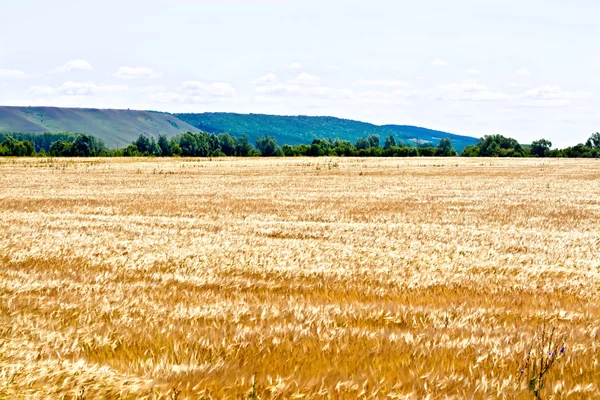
(296, 278)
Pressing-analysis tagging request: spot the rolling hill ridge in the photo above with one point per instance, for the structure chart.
(118, 128)
(303, 129)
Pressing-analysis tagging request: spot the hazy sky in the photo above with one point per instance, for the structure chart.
(527, 68)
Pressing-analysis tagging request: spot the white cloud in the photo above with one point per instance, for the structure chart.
(75, 65)
(303, 87)
(42, 90)
(11, 74)
(379, 82)
(468, 91)
(294, 65)
(305, 83)
(277, 88)
(473, 71)
(286, 90)
(148, 89)
(550, 96)
(439, 63)
(136, 73)
(319, 91)
(308, 90)
(305, 79)
(75, 89)
(408, 93)
(183, 99)
(168, 97)
(553, 92)
(380, 98)
(524, 72)
(217, 89)
(266, 79)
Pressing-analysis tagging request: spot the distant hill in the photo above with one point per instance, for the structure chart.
(303, 129)
(117, 128)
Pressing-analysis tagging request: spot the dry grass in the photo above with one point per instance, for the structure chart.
(341, 278)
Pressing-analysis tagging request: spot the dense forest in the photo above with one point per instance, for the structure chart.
(41, 141)
(204, 144)
(296, 130)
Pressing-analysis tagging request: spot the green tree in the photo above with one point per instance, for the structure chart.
(194, 144)
(288, 151)
(343, 148)
(376, 152)
(540, 148)
(131, 151)
(217, 153)
(187, 142)
(594, 141)
(302, 150)
(155, 149)
(362, 144)
(87, 146)
(492, 146)
(494, 149)
(428, 151)
(390, 141)
(268, 147)
(61, 149)
(316, 151)
(13, 147)
(445, 149)
(41, 141)
(214, 145)
(165, 146)
(320, 147)
(29, 148)
(243, 146)
(143, 144)
(374, 140)
(471, 151)
(175, 148)
(227, 143)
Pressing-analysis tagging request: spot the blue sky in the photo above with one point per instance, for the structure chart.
(526, 69)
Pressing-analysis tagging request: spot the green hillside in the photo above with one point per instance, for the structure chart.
(303, 129)
(117, 128)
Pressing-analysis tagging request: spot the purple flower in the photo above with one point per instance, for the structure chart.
(522, 371)
(551, 354)
(562, 351)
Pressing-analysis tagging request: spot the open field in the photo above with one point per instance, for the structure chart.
(328, 278)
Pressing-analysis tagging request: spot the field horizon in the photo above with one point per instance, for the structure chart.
(119, 127)
(185, 278)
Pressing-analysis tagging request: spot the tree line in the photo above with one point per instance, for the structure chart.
(500, 146)
(203, 144)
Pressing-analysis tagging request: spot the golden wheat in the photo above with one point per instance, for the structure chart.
(321, 278)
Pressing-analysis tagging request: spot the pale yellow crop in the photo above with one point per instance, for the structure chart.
(327, 278)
